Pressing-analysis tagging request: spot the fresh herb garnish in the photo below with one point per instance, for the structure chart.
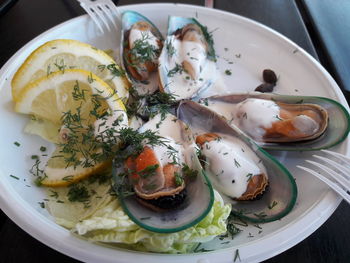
(170, 48)
(178, 179)
(142, 52)
(178, 69)
(188, 172)
(260, 215)
(237, 256)
(249, 176)
(78, 193)
(272, 205)
(17, 144)
(15, 177)
(237, 164)
(278, 118)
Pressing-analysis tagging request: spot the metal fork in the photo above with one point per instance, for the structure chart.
(334, 171)
(103, 12)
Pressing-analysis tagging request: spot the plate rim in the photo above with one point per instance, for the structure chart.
(329, 201)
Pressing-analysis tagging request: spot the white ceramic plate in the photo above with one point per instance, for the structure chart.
(252, 47)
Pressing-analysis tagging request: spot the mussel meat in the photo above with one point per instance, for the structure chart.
(187, 62)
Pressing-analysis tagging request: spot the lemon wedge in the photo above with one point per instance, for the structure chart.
(86, 114)
(63, 54)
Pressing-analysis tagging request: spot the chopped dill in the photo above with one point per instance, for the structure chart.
(78, 193)
(237, 256)
(272, 205)
(90, 78)
(188, 172)
(60, 65)
(15, 177)
(170, 48)
(209, 39)
(237, 164)
(260, 215)
(178, 69)
(249, 176)
(53, 194)
(142, 52)
(178, 179)
(278, 118)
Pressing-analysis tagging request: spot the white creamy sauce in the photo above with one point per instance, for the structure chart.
(177, 146)
(150, 87)
(252, 116)
(180, 83)
(145, 35)
(231, 164)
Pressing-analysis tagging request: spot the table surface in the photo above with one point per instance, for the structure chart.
(296, 20)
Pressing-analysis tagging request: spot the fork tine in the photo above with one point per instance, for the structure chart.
(115, 11)
(334, 186)
(93, 16)
(109, 14)
(344, 170)
(340, 179)
(339, 156)
(100, 13)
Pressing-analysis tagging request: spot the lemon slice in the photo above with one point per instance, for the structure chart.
(86, 113)
(63, 54)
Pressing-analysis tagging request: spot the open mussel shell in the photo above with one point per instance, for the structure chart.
(280, 196)
(333, 131)
(129, 19)
(187, 63)
(196, 198)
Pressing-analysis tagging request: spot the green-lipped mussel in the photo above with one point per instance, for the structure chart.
(284, 122)
(187, 62)
(258, 186)
(163, 188)
(141, 43)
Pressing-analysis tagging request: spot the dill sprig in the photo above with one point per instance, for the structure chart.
(178, 69)
(78, 193)
(209, 39)
(170, 48)
(142, 52)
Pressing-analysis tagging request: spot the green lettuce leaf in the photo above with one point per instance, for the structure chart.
(111, 225)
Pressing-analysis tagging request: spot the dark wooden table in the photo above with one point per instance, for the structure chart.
(299, 20)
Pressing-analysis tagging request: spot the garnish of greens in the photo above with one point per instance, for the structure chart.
(142, 52)
(149, 105)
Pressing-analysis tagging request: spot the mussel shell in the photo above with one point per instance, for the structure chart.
(282, 188)
(199, 192)
(336, 131)
(198, 202)
(129, 18)
(177, 23)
